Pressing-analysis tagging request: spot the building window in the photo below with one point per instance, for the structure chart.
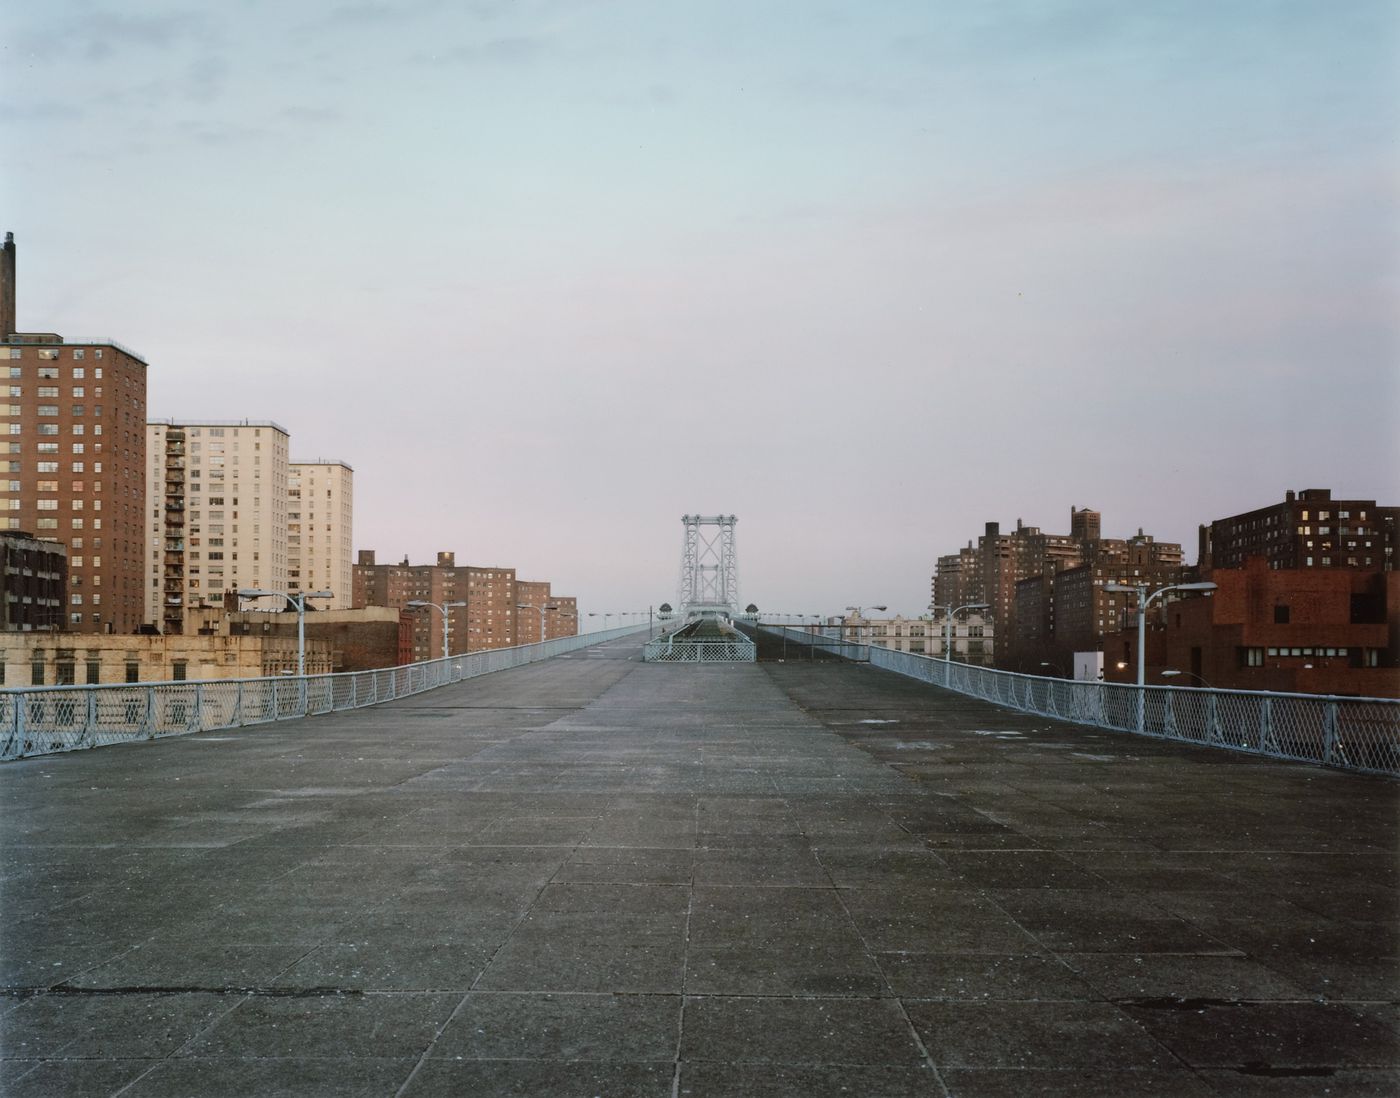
(1252, 657)
(178, 670)
(1280, 615)
(133, 671)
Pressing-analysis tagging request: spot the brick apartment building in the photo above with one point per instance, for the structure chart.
(34, 581)
(75, 463)
(1309, 529)
(560, 612)
(997, 571)
(1070, 611)
(490, 618)
(1297, 630)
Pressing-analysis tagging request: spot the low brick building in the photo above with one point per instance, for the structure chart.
(213, 645)
(1296, 630)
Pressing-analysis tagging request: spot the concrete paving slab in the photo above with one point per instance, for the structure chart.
(595, 876)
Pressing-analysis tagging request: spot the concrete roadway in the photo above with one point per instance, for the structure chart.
(598, 877)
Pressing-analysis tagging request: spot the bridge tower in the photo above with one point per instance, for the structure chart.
(709, 570)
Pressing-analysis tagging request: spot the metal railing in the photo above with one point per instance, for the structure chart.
(1350, 733)
(40, 720)
(736, 649)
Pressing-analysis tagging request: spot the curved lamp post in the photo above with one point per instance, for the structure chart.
(418, 604)
(298, 602)
(1170, 673)
(540, 610)
(860, 613)
(948, 624)
(1144, 600)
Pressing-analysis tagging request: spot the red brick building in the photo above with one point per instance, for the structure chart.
(490, 619)
(1296, 630)
(75, 461)
(560, 612)
(1309, 529)
(1061, 616)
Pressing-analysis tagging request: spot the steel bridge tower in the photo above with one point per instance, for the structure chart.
(709, 569)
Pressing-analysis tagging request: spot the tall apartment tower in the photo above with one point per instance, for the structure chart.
(217, 518)
(75, 463)
(1309, 529)
(320, 520)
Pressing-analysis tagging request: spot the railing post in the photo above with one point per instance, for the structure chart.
(199, 707)
(20, 706)
(1266, 726)
(1329, 734)
(150, 726)
(90, 725)
(238, 706)
(1213, 730)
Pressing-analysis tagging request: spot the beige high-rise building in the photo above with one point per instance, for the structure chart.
(217, 514)
(320, 518)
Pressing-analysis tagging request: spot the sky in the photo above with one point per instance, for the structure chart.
(550, 275)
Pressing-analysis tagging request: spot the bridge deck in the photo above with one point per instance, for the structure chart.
(597, 876)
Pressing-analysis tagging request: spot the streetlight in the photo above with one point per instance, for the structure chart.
(1144, 600)
(540, 610)
(860, 613)
(418, 604)
(1169, 673)
(605, 615)
(948, 623)
(298, 601)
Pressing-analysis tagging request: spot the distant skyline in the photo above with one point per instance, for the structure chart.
(550, 275)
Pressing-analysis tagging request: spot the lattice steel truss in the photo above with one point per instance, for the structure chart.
(709, 568)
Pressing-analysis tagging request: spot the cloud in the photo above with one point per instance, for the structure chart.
(46, 110)
(372, 16)
(516, 49)
(311, 116)
(214, 133)
(100, 35)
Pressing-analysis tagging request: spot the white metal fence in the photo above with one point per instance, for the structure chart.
(1351, 733)
(735, 649)
(41, 720)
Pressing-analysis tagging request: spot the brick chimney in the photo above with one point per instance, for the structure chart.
(7, 288)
